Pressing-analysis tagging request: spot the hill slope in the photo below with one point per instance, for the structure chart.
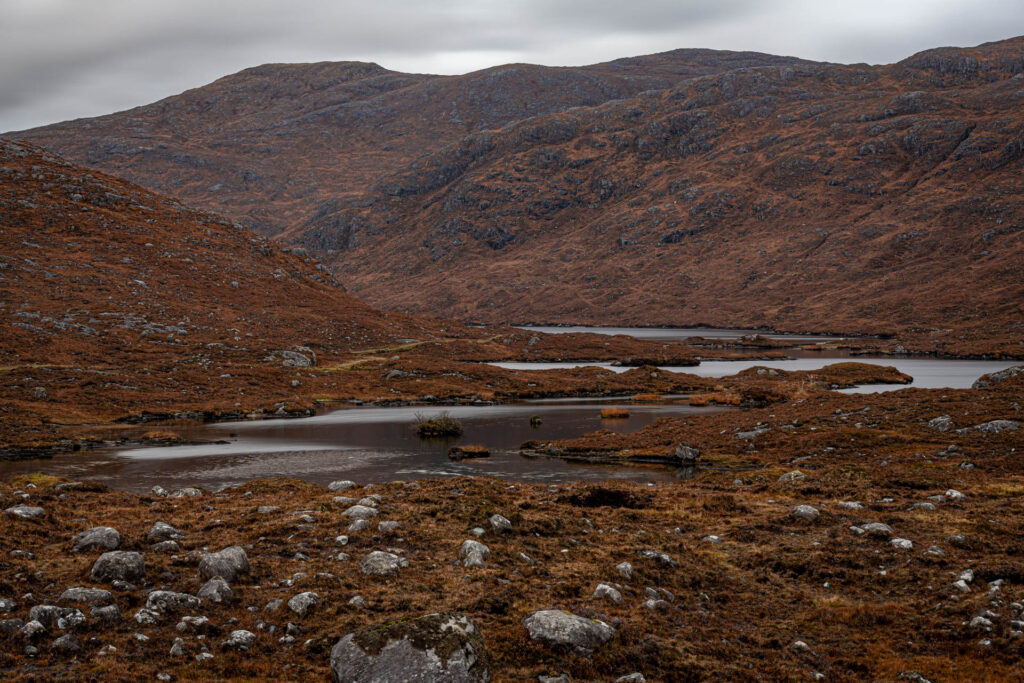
(848, 197)
(267, 144)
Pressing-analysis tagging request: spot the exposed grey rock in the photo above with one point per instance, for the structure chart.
(357, 601)
(240, 640)
(806, 512)
(159, 491)
(625, 570)
(902, 544)
(877, 529)
(563, 631)
(632, 678)
(997, 426)
(792, 476)
(162, 531)
(923, 505)
(31, 630)
(849, 505)
(229, 564)
(474, 553)
(603, 590)
(389, 527)
(360, 512)
(87, 596)
(436, 647)
(500, 524)
(147, 617)
(358, 525)
(118, 565)
(996, 377)
(187, 492)
(687, 454)
(291, 359)
(169, 602)
(68, 644)
(216, 590)
(178, 648)
(303, 603)
(53, 617)
(954, 495)
(100, 537)
(11, 626)
(7, 605)
(109, 614)
(659, 557)
(942, 423)
(379, 563)
(166, 547)
(342, 485)
(267, 509)
(25, 512)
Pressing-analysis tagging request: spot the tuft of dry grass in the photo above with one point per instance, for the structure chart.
(614, 413)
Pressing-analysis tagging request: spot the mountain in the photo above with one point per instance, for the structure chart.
(691, 187)
(268, 144)
(852, 198)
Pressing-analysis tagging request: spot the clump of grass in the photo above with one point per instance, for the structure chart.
(614, 413)
(438, 426)
(535, 421)
(468, 451)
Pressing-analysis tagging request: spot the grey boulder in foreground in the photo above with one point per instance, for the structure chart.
(437, 647)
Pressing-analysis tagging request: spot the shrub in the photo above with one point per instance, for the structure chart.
(438, 426)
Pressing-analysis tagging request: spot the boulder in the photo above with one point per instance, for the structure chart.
(52, 617)
(500, 524)
(603, 590)
(118, 565)
(435, 647)
(659, 557)
(303, 603)
(474, 553)
(162, 531)
(228, 564)
(360, 512)
(996, 377)
(169, 602)
(239, 641)
(100, 537)
(216, 590)
(342, 485)
(86, 596)
(997, 426)
(68, 645)
(877, 529)
(687, 455)
(379, 563)
(566, 632)
(806, 512)
(25, 512)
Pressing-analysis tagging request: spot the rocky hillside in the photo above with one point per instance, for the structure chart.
(807, 196)
(112, 298)
(267, 145)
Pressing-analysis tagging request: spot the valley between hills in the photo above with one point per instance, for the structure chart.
(293, 240)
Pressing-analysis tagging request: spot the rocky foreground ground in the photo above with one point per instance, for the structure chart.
(828, 538)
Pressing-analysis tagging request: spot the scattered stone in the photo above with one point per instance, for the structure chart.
(632, 678)
(849, 505)
(625, 570)
(923, 505)
(187, 492)
(216, 590)
(902, 544)
(360, 512)
(935, 551)
(110, 614)
(303, 603)
(87, 596)
(997, 426)
(955, 496)
(942, 423)
(239, 641)
(52, 617)
(500, 524)
(806, 512)
(389, 527)
(563, 631)
(178, 648)
(100, 537)
(162, 531)
(118, 565)
(342, 485)
(229, 564)
(25, 512)
(712, 539)
(436, 647)
(147, 617)
(7, 605)
(877, 529)
(379, 563)
(656, 605)
(603, 590)
(687, 455)
(166, 547)
(11, 626)
(67, 644)
(341, 540)
(792, 476)
(357, 601)
(477, 531)
(659, 557)
(358, 525)
(168, 602)
(267, 509)
(474, 553)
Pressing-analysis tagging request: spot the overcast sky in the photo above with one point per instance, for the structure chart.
(62, 59)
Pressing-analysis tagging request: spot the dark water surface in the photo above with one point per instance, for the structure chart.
(677, 333)
(366, 444)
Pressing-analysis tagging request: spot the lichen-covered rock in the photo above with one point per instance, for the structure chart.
(168, 602)
(659, 557)
(342, 485)
(68, 644)
(303, 603)
(500, 524)
(100, 537)
(436, 647)
(360, 512)
(806, 512)
(25, 512)
(216, 590)
(240, 641)
(84, 595)
(474, 553)
(229, 564)
(379, 563)
(566, 632)
(162, 531)
(52, 617)
(118, 565)
(996, 377)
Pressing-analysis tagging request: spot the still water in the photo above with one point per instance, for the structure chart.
(677, 333)
(365, 444)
